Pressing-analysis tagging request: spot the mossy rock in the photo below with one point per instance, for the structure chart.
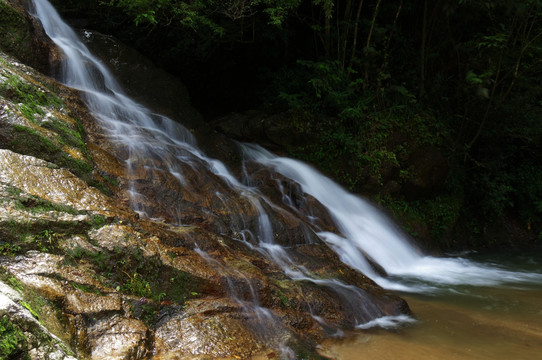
(30, 141)
(22, 37)
(16, 37)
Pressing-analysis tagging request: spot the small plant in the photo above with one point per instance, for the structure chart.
(14, 191)
(85, 288)
(285, 300)
(13, 342)
(111, 180)
(45, 240)
(98, 221)
(29, 308)
(8, 249)
(74, 254)
(15, 283)
(137, 285)
(101, 259)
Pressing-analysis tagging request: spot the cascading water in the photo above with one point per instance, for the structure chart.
(265, 324)
(156, 142)
(152, 141)
(367, 234)
(365, 237)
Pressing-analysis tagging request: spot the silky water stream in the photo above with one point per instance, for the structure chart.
(453, 298)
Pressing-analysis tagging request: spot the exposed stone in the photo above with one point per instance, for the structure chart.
(217, 327)
(79, 302)
(187, 282)
(22, 37)
(27, 173)
(38, 342)
(118, 338)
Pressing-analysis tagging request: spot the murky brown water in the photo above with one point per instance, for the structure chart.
(492, 324)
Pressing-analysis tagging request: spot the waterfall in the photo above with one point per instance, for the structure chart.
(365, 237)
(366, 234)
(154, 142)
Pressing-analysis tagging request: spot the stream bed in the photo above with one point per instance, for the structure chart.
(466, 322)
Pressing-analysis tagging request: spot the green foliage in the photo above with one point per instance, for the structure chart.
(438, 215)
(8, 249)
(13, 342)
(98, 221)
(15, 283)
(28, 307)
(11, 280)
(14, 191)
(285, 300)
(195, 14)
(135, 284)
(201, 14)
(45, 240)
(277, 10)
(350, 128)
(319, 86)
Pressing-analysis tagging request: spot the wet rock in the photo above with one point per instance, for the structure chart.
(23, 37)
(160, 91)
(79, 302)
(185, 281)
(143, 80)
(35, 270)
(27, 173)
(20, 325)
(216, 328)
(118, 338)
(284, 191)
(36, 122)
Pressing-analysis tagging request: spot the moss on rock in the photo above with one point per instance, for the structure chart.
(13, 342)
(22, 38)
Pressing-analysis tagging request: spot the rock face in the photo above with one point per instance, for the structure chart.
(23, 38)
(106, 284)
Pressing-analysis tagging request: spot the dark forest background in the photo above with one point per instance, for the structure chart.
(430, 108)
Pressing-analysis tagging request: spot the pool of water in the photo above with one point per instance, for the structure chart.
(464, 322)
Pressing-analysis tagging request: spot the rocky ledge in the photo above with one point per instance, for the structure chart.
(82, 276)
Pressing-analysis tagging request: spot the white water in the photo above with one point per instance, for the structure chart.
(152, 140)
(366, 235)
(155, 141)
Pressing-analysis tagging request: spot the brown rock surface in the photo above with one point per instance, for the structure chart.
(187, 283)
